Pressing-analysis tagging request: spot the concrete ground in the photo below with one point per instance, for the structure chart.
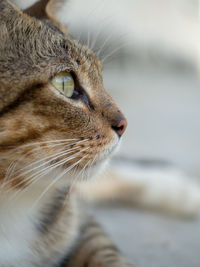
(152, 240)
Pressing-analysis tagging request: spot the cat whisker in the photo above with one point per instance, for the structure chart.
(103, 45)
(33, 163)
(113, 52)
(52, 158)
(88, 39)
(83, 172)
(114, 39)
(56, 180)
(18, 175)
(31, 151)
(52, 167)
(84, 169)
(46, 142)
(34, 178)
(90, 166)
(76, 178)
(88, 15)
(45, 168)
(15, 163)
(98, 33)
(10, 170)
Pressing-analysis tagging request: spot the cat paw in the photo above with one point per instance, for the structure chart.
(168, 191)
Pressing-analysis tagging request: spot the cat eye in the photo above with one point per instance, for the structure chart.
(64, 83)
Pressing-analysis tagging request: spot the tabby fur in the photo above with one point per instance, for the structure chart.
(48, 142)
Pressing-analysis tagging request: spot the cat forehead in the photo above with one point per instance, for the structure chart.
(33, 50)
(36, 42)
(29, 36)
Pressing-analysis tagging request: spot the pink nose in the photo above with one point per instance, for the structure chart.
(120, 127)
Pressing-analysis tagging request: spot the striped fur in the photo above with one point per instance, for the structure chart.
(48, 143)
(94, 249)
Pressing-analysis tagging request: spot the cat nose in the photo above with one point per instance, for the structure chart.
(120, 127)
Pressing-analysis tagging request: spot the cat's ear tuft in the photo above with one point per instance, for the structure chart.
(47, 9)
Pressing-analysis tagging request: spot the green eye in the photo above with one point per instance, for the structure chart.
(64, 83)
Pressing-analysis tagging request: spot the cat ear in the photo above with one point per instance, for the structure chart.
(46, 9)
(7, 9)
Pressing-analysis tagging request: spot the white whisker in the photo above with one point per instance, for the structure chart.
(75, 179)
(46, 142)
(90, 166)
(103, 45)
(93, 43)
(31, 177)
(31, 151)
(33, 163)
(56, 180)
(52, 157)
(13, 165)
(36, 176)
(88, 39)
(112, 53)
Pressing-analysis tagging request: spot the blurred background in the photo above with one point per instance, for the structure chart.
(151, 54)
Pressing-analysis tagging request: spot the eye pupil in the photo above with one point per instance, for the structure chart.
(63, 86)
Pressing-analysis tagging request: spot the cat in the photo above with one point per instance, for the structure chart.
(58, 128)
(58, 125)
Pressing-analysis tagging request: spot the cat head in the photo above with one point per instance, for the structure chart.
(54, 110)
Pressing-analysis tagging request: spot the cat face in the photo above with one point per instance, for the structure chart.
(40, 124)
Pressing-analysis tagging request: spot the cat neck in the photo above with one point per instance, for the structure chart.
(38, 211)
(35, 195)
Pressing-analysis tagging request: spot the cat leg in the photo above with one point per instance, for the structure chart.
(166, 191)
(95, 249)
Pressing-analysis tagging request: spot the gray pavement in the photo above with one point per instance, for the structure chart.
(150, 240)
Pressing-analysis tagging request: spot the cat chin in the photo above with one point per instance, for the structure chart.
(111, 149)
(101, 164)
(89, 172)
(63, 177)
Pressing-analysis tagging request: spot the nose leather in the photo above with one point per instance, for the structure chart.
(120, 127)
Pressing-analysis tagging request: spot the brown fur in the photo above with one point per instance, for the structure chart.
(34, 48)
